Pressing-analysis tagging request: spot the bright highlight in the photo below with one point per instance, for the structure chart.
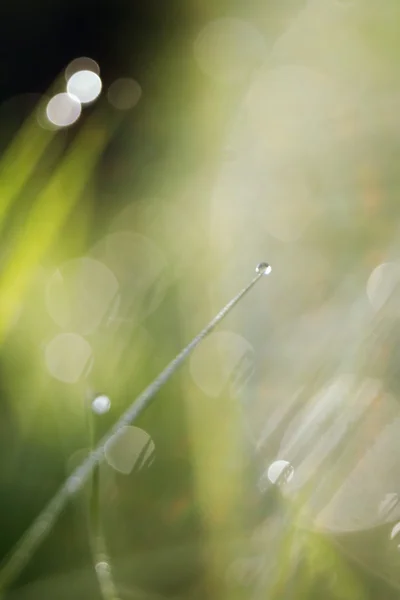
(84, 85)
(63, 110)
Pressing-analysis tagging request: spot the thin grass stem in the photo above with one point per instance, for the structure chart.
(43, 524)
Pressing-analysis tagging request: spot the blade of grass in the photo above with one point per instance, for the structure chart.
(20, 160)
(41, 527)
(97, 540)
(48, 215)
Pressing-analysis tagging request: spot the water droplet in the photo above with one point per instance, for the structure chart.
(264, 268)
(101, 404)
(102, 567)
(73, 484)
(280, 472)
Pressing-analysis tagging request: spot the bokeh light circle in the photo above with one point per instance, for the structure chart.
(68, 357)
(351, 492)
(133, 447)
(280, 470)
(140, 268)
(292, 108)
(81, 64)
(124, 93)
(225, 360)
(101, 404)
(228, 49)
(394, 534)
(84, 85)
(63, 110)
(383, 287)
(81, 294)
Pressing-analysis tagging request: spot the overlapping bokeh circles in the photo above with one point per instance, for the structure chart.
(140, 269)
(224, 362)
(81, 294)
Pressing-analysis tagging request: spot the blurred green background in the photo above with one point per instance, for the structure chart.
(263, 131)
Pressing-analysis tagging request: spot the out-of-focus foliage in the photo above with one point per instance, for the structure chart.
(262, 132)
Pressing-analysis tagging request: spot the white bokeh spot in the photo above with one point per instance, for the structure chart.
(83, 63)
(101, 404)
(223, 359)
(124, 93)
(81, 294)
(63, 110)
(68, 357)
(228, 49)
(382, 283)
(123, 452)
(84, 85)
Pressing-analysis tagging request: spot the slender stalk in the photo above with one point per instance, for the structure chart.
(42, 525)
(101, 560)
